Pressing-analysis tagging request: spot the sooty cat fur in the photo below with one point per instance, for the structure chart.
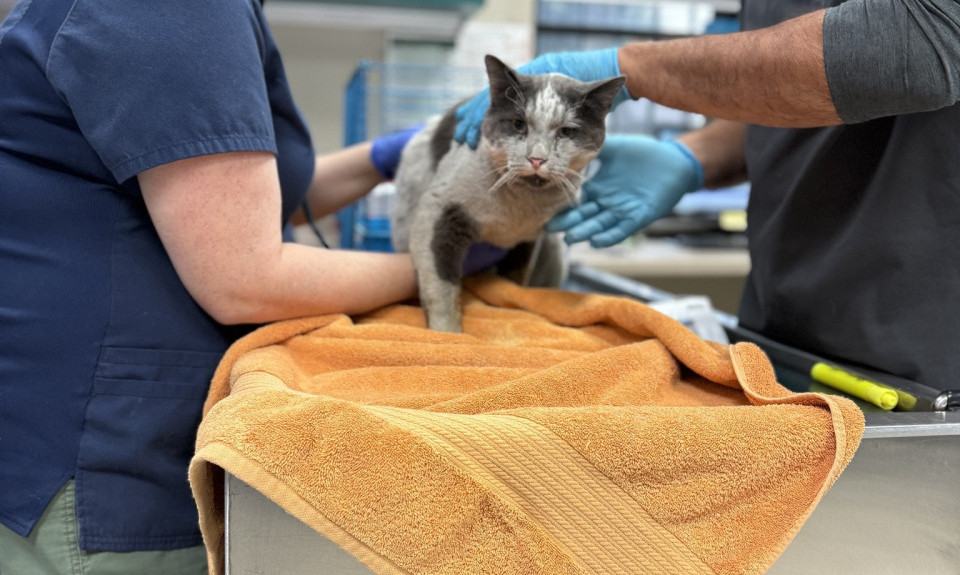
(537, 138)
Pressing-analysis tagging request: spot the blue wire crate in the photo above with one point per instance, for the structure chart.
(382, 98)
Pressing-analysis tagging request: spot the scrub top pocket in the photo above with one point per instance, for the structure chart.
(136, 444)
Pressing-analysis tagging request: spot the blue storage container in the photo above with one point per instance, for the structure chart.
(386, 97)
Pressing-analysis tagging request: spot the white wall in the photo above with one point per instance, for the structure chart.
(512, 11)
(321, 58)
(319, 62)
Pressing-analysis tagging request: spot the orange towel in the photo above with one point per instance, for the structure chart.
(561, 433)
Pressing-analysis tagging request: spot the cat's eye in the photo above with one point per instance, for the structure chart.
(567, 132)
(519, 125)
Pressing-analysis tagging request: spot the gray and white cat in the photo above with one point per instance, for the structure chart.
(537, 138)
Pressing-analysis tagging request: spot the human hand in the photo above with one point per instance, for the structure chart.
(583, 66)
(640, 179)
(386, 150)
(480, 256)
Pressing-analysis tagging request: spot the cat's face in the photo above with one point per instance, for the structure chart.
(544, 129)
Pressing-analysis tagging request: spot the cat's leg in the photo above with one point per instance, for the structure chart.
(549, 268)
(540, 263)
(515, 264)
(439, 241)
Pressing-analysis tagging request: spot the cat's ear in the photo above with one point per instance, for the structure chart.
(505, 85)
(602, 92)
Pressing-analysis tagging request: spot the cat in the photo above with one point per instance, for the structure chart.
(537, 138)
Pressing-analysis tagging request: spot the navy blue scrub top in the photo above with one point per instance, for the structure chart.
(105, 359)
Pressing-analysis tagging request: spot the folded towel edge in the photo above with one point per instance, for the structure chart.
(220, 455)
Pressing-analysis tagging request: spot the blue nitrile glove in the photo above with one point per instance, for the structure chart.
(583, 66)
(386, 150)
(640, 179)
(480, 256)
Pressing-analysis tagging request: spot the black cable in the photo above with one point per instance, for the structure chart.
(313, 224)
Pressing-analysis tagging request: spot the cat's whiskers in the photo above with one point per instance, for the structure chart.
(568, 188)
(494, 171)
(570, 182)
(575, 177)
(509, 176)
(518, 165)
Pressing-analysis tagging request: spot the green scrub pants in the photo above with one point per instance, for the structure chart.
(52, 549)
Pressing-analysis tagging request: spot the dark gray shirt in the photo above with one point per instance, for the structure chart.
(854, 228)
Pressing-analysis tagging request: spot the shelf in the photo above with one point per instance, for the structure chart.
(631, 32)
(663, 258)
(449, 5)
(665, 18)
(422, 19)
(720, 6)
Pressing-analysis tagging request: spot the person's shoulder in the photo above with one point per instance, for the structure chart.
(159, 13)
(133, 26)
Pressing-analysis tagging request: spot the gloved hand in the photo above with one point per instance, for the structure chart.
(640, 179)
(583, 66)
(480, 256)
(386, 150)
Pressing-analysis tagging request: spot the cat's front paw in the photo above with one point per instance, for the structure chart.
(447, 324)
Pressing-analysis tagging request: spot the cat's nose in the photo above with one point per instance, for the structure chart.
(536, 162)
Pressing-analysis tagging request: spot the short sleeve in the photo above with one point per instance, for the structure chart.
(154, 82)
(891, 57)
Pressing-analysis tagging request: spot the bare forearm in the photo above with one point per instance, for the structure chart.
(341, 178)
(303, 280)
(719, 146)
(773, 76)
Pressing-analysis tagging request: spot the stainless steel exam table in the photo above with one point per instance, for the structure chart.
(895, 510)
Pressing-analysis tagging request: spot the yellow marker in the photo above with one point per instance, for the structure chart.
(877, 394)
(906, 401)
(733, 220)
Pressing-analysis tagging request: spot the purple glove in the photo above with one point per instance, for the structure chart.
(480, 256)
(386, 150)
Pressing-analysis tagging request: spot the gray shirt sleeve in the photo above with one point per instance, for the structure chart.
(890, 57)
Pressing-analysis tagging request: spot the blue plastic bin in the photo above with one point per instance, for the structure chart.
(385, 97)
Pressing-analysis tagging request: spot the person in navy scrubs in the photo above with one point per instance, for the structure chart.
(150, 155)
